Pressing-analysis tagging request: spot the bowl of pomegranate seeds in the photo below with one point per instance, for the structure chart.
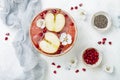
(91, 57)
(53, 32)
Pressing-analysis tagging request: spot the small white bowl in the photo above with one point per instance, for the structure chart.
(108, 68)
(107, 16)
(94, 65)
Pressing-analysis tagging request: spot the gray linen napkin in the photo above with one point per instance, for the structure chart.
(19, 14)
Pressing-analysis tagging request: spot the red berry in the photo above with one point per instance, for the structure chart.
(76, 7)
(58, 66)
(77, 71)
(55, 72)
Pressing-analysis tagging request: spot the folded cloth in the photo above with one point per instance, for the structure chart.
(19, 14)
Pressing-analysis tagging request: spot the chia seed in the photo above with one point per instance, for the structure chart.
(101, 21)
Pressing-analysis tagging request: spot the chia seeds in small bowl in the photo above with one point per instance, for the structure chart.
(101, 21)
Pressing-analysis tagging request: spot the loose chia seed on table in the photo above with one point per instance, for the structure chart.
(101, 21)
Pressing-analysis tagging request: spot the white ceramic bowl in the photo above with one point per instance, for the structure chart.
(107, 16)
(94, 65)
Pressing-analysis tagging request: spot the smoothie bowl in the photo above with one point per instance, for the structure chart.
(53, 32)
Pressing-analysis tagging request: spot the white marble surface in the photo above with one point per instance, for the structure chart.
(87, 37)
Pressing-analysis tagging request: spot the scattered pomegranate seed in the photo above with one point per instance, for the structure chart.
(77, 71)
(99, 42)
(71, 8)
(103, 42)
(6, 38)
(7, 34)
(110, 43)
(76, 7)
(58, 66)
(80, 4)
(53, 63)
(55, 72)
(83, 69)
(104, 39)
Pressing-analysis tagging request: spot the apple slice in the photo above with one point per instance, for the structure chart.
(55, 22)
(50, 43)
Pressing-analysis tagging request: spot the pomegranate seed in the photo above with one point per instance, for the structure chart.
(40, 34)
(104, 39)
(99, 42)
(45, 11)
(54, 11)
(77, 71)
(66, 15)
(103, 42)
(80, 4)
(53, 63)
(71, 8)
(110, 43)
(59, 51)
(76, 7)
(84, 69)
(37, 46)
(61, 46)
(7, 34)
(55, 72)
(44, 30)
(71, 24)
(58, 66)
(42, 15)
(6, 38)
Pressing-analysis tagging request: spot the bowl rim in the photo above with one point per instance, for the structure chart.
(107, 16)
(97, 63)
(67, 50)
